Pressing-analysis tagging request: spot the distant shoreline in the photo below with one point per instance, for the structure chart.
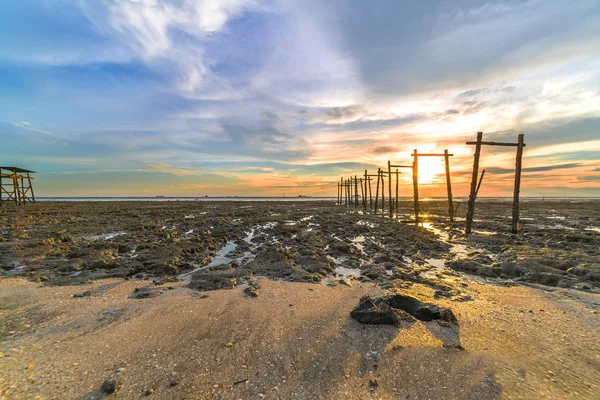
(301, 199)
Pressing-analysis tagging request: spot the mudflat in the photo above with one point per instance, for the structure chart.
(253, 300)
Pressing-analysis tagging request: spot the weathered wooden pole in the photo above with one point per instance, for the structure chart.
(382, 193)
(362, 191)
(473, 194)
(355, 191)
(390, 188)
(416, 185)
(370, 196)
(365, 191)
(397, 180)
(479, 184)
(377, 189)
(449, 185)
(347, 187)
(518, 164)
(350, 194)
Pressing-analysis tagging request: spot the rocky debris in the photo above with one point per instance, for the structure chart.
(145, 293)
(372, 311)
(394, 308)
(340, 247)
(344, 282)
(112, 384)
(253, 288)
(206, 282)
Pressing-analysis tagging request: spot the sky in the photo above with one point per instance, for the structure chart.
(272, 98)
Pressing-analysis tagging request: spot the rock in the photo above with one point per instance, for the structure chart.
(213, 281)
(149, 392)
(341, 247)
(251, 292)
(144, 293)
(344, 282)
(369, 312)
(83, 294)
(111, 385)
(253, 288)
(393, 308)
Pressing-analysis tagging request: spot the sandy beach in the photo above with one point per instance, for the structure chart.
(185, 300)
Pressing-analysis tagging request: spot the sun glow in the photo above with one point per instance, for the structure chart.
(431, 169)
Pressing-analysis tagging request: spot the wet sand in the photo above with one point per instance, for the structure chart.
(529, 329)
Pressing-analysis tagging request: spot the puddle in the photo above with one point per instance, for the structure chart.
(218, 259)
(358, 242)
(347, 272)
(15, 270)
(459, 250)
(489, 233)
(366, 223)
(106, 236)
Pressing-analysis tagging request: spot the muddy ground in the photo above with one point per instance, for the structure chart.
(221, 244)
(70, 268)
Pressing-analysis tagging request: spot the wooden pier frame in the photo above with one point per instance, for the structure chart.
(16, 184)
(390, 166)
(475, 187)
(446, 156)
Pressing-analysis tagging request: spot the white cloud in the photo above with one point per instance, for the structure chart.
(169, 35)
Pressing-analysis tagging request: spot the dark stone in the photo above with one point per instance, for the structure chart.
(111, 385)
(341, 247)
(83, 294)
(379, 313)
(392, 309)
(344, 282)
(144, 293)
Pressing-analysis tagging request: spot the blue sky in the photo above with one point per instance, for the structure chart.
(250, 97)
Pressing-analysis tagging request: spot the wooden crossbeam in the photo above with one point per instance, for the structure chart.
(495, 144)
(434, 155)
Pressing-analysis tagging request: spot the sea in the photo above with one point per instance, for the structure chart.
(308, 198)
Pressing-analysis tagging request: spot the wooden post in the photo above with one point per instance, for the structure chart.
(449, 185)
(382, 194)
(416, 185)
(370, 196)
(390, 188)
(473, 194)
(346, 194)
(355, 191)
(349, 183)
(479, 184)
(397, 180)
(518, 164)
(362, 191)
(365, 190)
(377, 189)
